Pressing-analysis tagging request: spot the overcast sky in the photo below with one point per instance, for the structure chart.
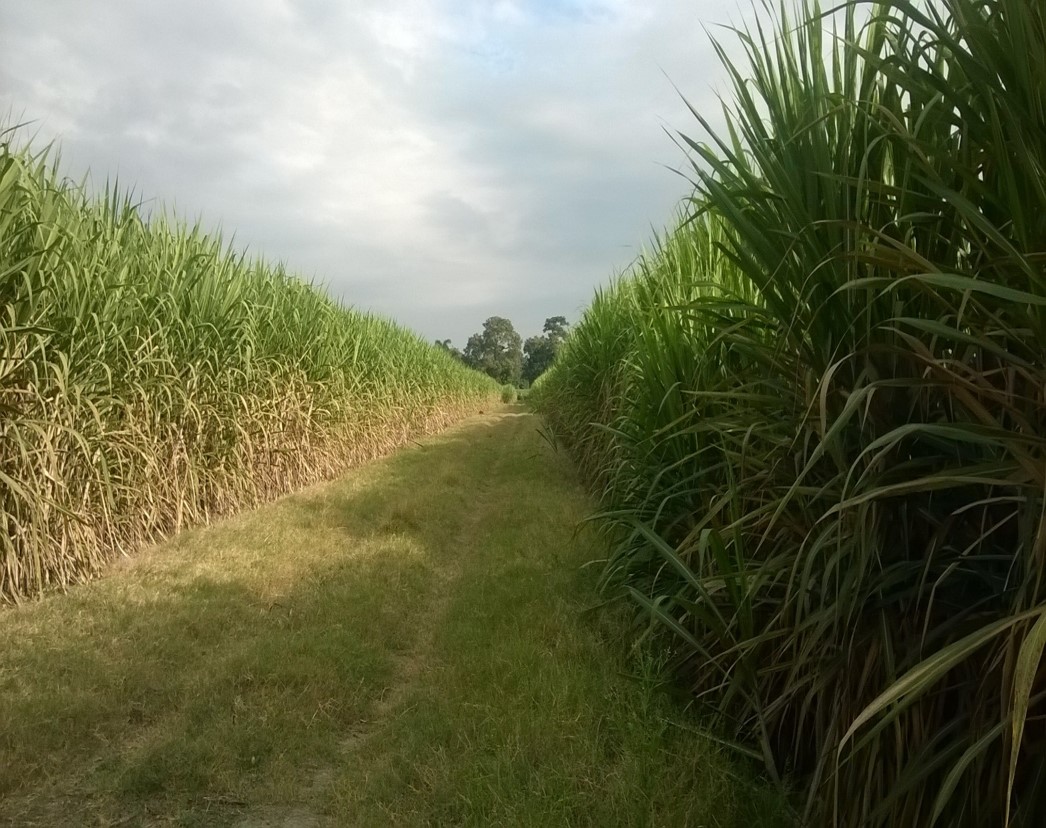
(437, 162)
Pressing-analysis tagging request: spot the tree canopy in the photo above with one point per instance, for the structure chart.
(540, 351)
(500, 352)
(446, 345)
(497, 351)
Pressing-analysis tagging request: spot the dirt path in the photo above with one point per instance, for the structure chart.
(408, 645)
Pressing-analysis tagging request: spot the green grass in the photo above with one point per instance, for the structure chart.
(815, 414)
(152, 378)
(413, 644)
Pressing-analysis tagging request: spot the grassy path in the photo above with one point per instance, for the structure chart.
(407, 646)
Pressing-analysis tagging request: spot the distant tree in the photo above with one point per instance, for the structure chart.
(450, 349)
(540, 351)
(538, 354)
(555, 329)
(496, 350)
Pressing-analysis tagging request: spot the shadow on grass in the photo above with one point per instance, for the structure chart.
(191, 699)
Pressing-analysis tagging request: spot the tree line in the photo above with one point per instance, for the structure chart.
(501, 353)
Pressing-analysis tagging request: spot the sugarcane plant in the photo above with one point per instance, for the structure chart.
(815, 412)
(152, 377)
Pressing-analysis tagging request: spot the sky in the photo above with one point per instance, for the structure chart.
(435, 162)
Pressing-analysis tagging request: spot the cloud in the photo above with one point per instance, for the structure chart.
(438, 162)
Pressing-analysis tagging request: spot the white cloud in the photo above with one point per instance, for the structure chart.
(437, 161)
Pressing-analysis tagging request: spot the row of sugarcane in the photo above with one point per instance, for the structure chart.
(815, 413)
(152, 377)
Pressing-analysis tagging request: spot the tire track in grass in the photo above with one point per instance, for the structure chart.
(408, 666)
(411, 665)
